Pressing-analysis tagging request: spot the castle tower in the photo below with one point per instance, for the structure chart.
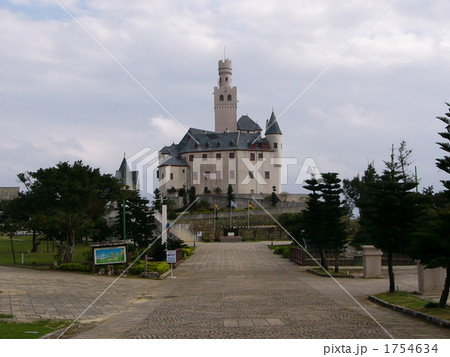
(274, 137)
(225, 100)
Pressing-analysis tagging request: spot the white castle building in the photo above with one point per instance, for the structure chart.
(236, 153)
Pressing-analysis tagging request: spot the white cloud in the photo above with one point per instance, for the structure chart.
(63, 97)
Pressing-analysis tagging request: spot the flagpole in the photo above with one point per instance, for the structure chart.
(231, 209)
(248, 214)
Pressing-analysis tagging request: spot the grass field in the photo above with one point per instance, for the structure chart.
(414, 302)
(31, 330)
(23, 244)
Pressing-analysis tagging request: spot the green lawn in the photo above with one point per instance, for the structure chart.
(414, 302)
(29, 330)
(23, 244)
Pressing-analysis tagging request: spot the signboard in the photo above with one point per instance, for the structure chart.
(199, 234)
(110, 255)
(172, 256)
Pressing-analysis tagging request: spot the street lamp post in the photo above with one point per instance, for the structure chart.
(124, 224)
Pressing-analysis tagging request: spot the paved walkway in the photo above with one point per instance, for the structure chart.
(238, 290)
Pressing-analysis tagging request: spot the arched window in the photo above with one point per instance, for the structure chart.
(229, 97)
(221, 98)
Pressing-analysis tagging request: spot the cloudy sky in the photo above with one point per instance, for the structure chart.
(91, 80)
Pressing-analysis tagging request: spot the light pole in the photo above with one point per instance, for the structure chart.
(124, 224)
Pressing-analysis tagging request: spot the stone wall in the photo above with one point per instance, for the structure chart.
(9, 193)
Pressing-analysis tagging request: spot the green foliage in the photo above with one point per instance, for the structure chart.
(139, 219)
(157, 205)
(192, 197)
(18, 330)
(323, 217)
(293, 223)
(273, 197)
(187, 252)
(230, 196)
(66, 199)
(284, 251)
(175, 243)
(159, 267)
(391, 210)
(172, 215)
(203, 206)
(74, 267)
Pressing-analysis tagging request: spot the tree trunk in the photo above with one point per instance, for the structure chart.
(391, 273)
(323, 258)
(12, 248)
(34, 249)
(68, 255)
(444, 295)
(336, 261)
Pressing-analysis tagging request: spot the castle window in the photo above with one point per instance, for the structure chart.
(229, 97)
(218, 156)
(226, 79)
(191, 157)
(218, 175)
(221, 98)
(204, 157)
(260, 156)
(232, 174)
(183, 171)
(275, 145)
(250, 174)
(252, 156)
(196, 146)
(171, 176)
(231, 155)
(157, 174)
(267, 175)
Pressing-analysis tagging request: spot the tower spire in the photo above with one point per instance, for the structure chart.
(225, 99)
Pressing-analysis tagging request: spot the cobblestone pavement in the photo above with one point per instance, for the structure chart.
(31, 295)
(242, 290)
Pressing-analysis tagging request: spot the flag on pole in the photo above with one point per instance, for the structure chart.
(216, 205)
(250, 205)
(232, 204)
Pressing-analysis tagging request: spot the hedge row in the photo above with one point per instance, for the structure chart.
(283, 251)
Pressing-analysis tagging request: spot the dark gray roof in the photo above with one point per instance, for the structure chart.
(272, 126)
(247, 124)
(197, 140)
(124, 168)
(202, 140)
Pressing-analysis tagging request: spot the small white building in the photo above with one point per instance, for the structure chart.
(236, 153)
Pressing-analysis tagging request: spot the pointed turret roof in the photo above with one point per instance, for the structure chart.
(272, 126)
(124, 168)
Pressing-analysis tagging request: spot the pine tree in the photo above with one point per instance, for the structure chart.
(312, 219)
(333, 228)
(432, 247)
(391, 211)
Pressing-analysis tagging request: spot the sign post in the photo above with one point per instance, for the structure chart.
(171, 259)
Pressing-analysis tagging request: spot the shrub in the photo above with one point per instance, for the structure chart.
(172, 215)
(136, 269)
(161, 268)
(286, 252)
(73, 267)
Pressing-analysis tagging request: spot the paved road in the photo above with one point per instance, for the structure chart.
(237, 290)
(244, 291)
